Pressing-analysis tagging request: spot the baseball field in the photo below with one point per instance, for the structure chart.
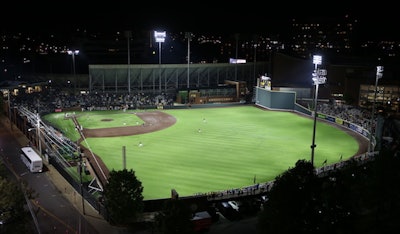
(202, 150)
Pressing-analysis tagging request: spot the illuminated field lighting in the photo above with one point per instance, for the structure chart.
(317, 60)
(318, 77)
(379, 74)
(73, 53)
(160, 36)
(237, 61)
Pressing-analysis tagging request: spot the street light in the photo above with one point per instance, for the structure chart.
(319, 77)
(73, 53)
(38, 127)
(379, 71)
(160, 38)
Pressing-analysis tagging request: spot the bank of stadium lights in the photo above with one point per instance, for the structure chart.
(318, 77)
(73, 53)
(160, 38)
(379, 74)
(237, 61)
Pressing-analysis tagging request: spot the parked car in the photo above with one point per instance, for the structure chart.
(235, 205)
(228, 211)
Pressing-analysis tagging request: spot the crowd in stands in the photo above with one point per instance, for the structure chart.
(355, 115)
(46, 102)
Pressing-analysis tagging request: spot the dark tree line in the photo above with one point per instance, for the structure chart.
(359, 198)
(14, 215)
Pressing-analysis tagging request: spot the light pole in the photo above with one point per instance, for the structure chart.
(81, 166)
(39, 137)
(255, 62)
(188, 36)
(73, 53)
(128, 35)
(319, 77)
(379, 71)
(9, 107)
(38, 127)
(160, 38)
(236, 54)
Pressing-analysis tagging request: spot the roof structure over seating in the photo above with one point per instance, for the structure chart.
(166, 77)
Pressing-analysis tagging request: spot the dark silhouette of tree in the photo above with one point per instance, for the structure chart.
(174, 218)
(12, 200)
(360, 197)
(292, 207)
(13, 209)
(123, 197)
(3, 171)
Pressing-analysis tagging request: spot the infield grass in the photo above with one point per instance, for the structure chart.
(234, 147)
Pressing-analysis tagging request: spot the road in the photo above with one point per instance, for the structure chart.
(53, 212)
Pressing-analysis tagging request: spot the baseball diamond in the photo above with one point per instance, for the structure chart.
(156, 120)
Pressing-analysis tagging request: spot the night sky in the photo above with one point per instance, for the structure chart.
(196, 16)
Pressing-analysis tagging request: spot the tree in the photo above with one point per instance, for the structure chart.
(291, 205)
(12, 200)
(174, 218)
(123, 197)
(359, 197)
(3, 171)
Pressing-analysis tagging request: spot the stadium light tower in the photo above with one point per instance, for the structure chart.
(379, 71)
(160, 38)
(73, 53)
(188, 35)
(128, 35)
(318, 77)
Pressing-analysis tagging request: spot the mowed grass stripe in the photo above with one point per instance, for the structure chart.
(235, 145)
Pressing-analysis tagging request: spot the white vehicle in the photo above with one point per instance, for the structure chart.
(235, 205)
(31, 159)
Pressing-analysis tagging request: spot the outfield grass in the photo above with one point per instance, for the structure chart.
(235, 146)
